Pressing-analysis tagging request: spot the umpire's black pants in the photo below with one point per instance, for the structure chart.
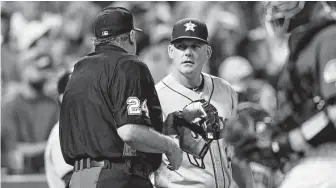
(115, 175)
(100, 177)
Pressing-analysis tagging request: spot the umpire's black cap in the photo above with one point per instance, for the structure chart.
(190, 28)
(113, 21)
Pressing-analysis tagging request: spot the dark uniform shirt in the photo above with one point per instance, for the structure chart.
(107, 89)
(310, 70)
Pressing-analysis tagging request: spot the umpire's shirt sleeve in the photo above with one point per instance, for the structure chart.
(134, 95)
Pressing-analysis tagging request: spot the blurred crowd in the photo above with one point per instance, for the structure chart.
(41, 40)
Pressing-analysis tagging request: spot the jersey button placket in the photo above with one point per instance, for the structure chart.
(218, 167)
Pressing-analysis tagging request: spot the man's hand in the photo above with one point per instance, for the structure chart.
(175, 156)
(193, 112)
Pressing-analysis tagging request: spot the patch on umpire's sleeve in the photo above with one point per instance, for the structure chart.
(135, 107)
(329, 72)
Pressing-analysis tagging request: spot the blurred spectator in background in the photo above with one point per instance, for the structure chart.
(27, 17)
(259, 91)
(236, 70)
(224, 39)
(31, 113)
(157, 60)
(142, 17)
(9, 55)
(256, 49)
(58, 172)
(75, 37)
(11, 162)
(240, 73)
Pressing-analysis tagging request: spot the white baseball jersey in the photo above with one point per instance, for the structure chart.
(217, 173)
(55, 165)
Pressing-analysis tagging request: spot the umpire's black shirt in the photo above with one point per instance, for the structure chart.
(107, 89)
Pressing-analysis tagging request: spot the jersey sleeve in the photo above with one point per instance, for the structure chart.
(134, 96)
(327, 67)
(56, 158)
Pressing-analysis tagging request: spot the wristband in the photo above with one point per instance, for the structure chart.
(319, 129)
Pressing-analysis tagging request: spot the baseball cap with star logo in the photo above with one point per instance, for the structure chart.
(190, 28)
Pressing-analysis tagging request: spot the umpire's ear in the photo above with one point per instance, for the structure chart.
(132, 36)
(170, 50)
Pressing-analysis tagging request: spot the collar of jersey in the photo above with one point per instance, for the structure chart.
(178, 87)
(104, 47)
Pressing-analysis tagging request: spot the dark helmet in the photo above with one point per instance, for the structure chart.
(282, 17)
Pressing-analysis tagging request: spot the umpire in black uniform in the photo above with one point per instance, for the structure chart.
(110, 120)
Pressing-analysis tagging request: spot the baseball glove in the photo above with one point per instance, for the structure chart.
(191, 137)
(212, 124)
(196, 126)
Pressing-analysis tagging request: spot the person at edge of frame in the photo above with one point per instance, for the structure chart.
(305, 144)
(58, 173)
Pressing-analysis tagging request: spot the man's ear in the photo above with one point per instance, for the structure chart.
(132, 36)
(209, 51)
(170, 51)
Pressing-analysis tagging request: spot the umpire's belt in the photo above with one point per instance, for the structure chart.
(125, 165)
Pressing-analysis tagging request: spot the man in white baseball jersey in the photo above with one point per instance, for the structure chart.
(189, 50)
(57, 171)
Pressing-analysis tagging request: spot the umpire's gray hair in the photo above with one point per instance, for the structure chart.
(115, 40)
